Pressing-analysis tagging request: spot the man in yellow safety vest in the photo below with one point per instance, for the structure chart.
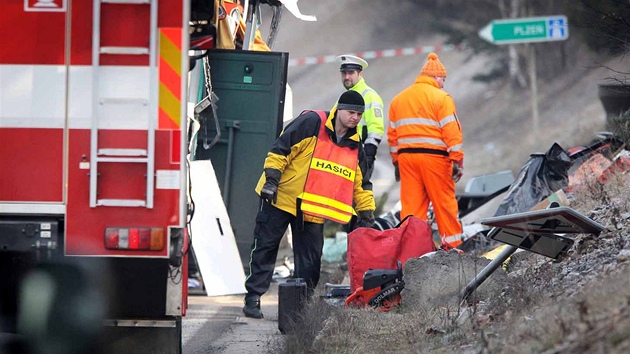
(310, 174)
(370, 127)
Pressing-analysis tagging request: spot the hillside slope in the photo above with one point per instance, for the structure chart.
(496, 120)
(576, 304)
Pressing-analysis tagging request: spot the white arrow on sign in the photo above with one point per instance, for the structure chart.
(44, 5)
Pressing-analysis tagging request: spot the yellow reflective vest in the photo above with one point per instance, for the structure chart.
(371, 127)
(329, 183)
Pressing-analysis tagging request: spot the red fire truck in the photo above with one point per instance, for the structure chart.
(93, 206)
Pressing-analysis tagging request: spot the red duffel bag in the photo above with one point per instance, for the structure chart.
(375, 249)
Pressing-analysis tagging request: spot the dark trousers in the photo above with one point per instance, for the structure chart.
(271, 223)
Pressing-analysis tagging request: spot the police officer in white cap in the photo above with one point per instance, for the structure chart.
(371, 126)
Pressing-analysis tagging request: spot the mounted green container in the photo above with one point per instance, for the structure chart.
(250, 87)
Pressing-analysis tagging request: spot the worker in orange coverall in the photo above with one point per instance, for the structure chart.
(425, 141)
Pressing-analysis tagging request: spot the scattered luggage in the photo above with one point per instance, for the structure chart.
(382, 251)
(292, 297)
(381, 289)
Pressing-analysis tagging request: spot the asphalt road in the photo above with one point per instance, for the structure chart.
(217, 325)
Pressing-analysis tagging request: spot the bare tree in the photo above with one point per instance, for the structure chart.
(602, 24)
(517, 78)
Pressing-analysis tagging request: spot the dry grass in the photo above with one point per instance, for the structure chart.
(597, 319)
(620, 126)
(577, 304)
(612, 196)
(341, 330)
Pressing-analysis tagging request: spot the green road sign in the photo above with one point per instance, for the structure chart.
(526, 30)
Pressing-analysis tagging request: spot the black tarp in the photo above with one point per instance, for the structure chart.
(541, 176)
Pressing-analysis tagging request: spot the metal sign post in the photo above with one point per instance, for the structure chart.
(250, 24)
(540, 231)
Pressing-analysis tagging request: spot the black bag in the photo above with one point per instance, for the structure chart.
(541, 176)
(387, 221)
(291, 301)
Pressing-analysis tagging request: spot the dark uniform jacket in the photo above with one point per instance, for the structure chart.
(291, 154)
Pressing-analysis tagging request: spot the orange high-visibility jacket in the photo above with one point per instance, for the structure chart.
(330, 180)
(292, 154)
(423, 117)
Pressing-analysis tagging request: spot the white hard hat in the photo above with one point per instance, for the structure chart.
(351, 62)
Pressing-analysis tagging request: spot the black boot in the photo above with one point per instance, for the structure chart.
(252, 307)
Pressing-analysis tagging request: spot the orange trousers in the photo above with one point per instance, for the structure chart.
(428, 178)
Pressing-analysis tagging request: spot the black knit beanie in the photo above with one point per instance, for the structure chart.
(351, 101)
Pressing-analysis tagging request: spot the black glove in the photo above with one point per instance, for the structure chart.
(269, 191)
(396, 172)
(366, 219)
(370, 154)
(458, 170)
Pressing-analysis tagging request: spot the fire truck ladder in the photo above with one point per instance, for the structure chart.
(122, 155)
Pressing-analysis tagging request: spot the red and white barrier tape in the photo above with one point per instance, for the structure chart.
(373, 54)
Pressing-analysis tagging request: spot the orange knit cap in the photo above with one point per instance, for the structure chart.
(433, 66)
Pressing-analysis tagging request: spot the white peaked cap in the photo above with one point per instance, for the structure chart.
(352, 62)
